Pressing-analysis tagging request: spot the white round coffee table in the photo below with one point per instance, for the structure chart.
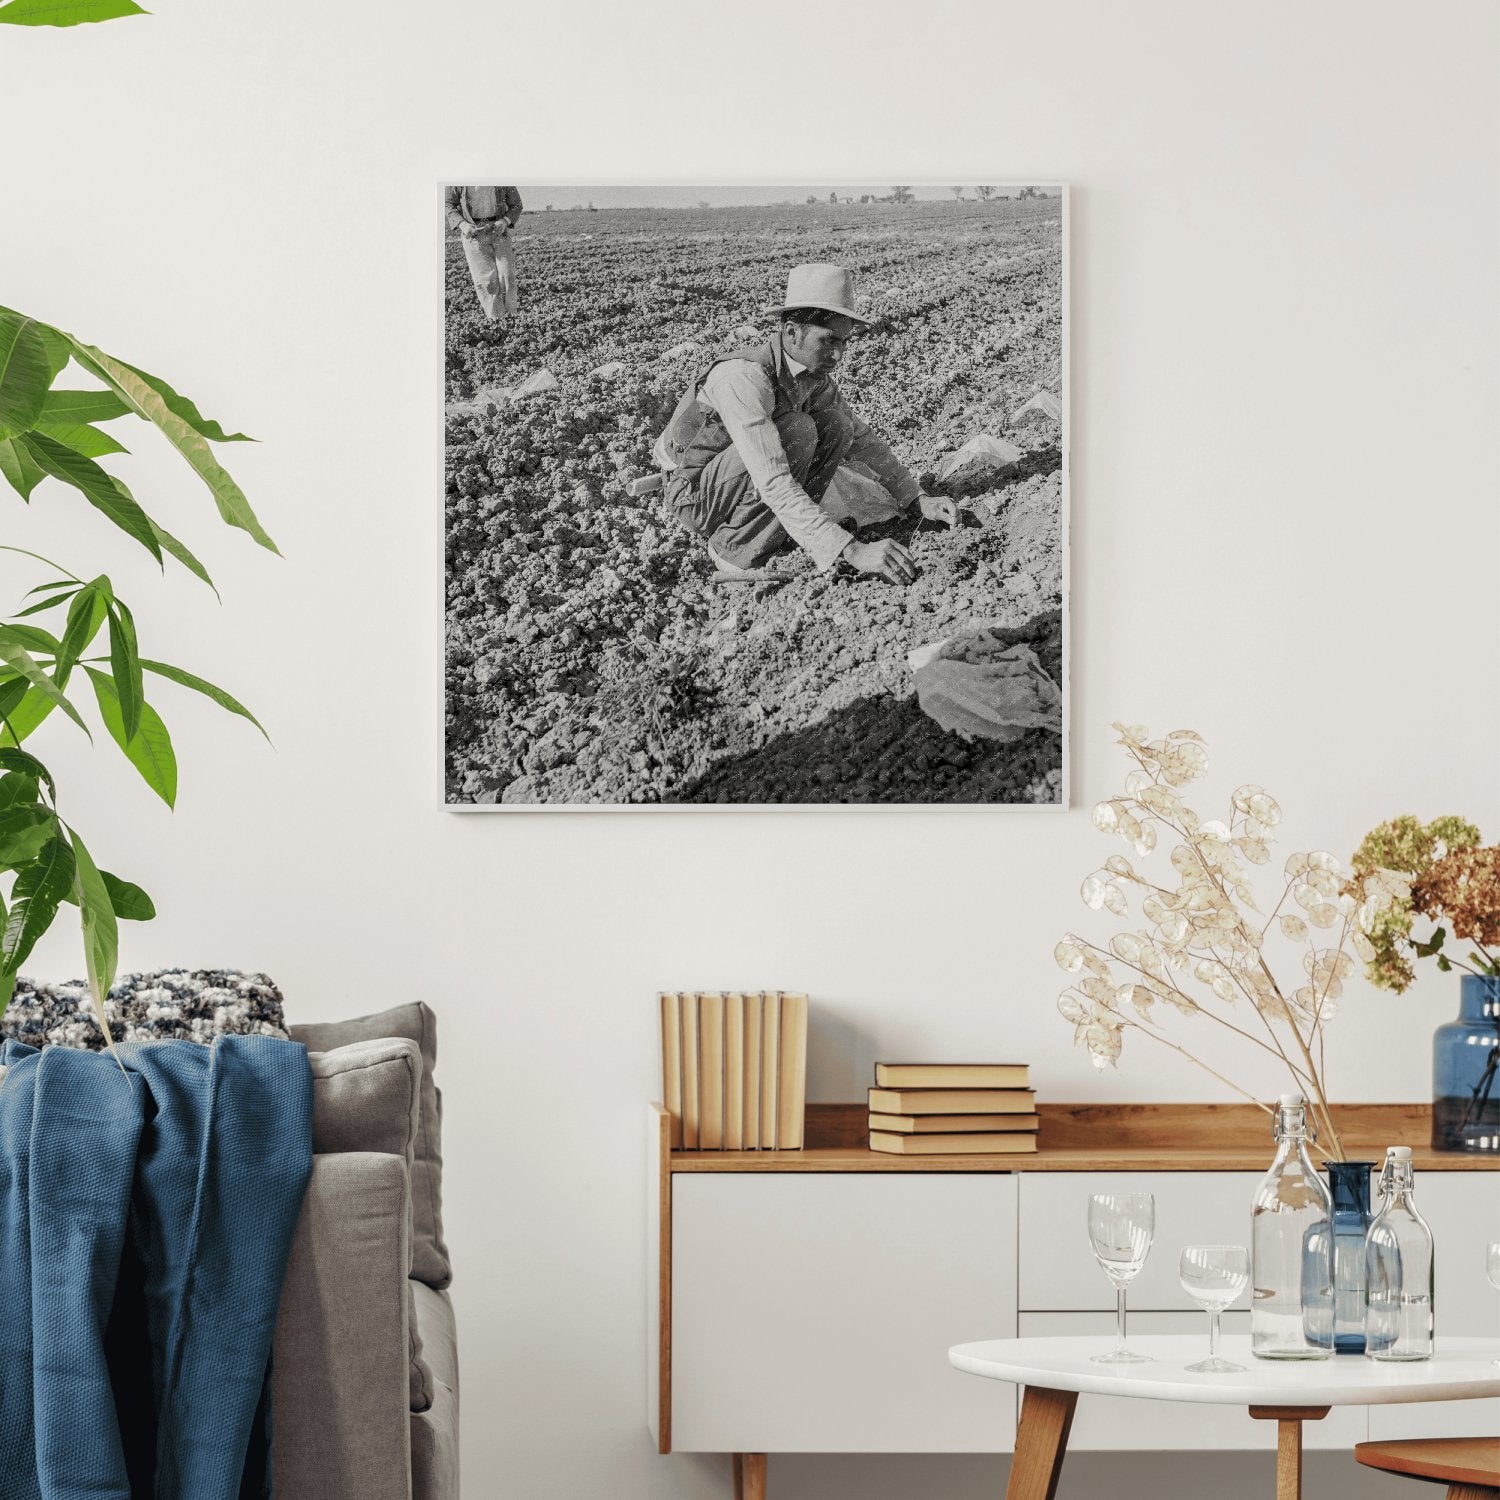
(1055, 1371)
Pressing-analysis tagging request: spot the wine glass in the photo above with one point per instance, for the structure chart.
(1213, 1276)
(1492, 1268)
(1120, 1229)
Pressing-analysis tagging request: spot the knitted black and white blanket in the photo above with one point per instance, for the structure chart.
(193, 1005)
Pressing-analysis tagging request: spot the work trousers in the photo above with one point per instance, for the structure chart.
(724, 506)
(492, 264)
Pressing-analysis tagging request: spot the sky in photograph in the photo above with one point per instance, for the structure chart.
(675, 195)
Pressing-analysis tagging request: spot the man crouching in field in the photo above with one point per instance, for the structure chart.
(756, 440)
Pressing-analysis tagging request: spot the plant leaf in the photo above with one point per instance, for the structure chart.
(80, 437)
(27, 719)
(24, 372)
(125, 664)
(23, 832)
(200, 685)
(66, 12)
(101, 489)
(34, 900)
(149, 750)
(11, 694)
(34, 638)
(41, 607)
(18, 657)
(85, 616)
(130, 902)
(182, 407)
(21, 470)
(28, 765)
(83, 406)
(101, 933)
(17, 789)
(169, 543)
(145, 395)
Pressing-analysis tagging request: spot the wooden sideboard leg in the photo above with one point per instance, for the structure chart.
(1041, 1442)
(1289, 1420)
(749, 1476)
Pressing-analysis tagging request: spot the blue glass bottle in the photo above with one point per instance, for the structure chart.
(1466, 1071)
(1349, 1182)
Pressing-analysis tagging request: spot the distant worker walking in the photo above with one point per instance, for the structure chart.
(484, 218)
(757, 438)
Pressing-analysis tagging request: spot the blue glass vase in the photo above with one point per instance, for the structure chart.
(1349, 1183)
(1466, 1071)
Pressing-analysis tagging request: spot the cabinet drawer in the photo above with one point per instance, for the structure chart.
(1058, 1269)
(814, 1312)
(1120, 1423)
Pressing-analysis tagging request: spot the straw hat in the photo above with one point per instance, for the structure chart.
(828, 288)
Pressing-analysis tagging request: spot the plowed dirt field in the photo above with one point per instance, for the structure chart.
(591, 658)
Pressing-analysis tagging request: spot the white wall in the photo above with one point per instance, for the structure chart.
(1284, 535)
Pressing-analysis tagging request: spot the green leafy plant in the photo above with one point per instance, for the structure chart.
(50, 431)
(66, 12)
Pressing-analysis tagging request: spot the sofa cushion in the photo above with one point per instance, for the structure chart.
(194, 1005)
(416, 1022)
(434, 1432)
(367, 1097)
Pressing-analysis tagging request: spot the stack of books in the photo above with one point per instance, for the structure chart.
(941, 1109)
(734, 1070)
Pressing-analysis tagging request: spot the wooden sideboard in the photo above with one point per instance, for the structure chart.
(759, 1263)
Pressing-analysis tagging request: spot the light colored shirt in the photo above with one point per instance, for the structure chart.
(463, 205)
(742, 394)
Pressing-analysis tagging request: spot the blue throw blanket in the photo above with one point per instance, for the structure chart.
(145, 1223)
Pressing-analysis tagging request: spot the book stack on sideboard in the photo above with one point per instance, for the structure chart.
(734, 1070)
(946, 1109)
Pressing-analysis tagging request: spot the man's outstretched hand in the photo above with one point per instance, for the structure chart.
(938, 508)
(887, 559)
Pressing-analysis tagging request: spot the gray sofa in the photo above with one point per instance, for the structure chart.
(365, 1367)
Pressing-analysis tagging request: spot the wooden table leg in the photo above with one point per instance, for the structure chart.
(749, 1476)
(1041, 1442)
(1471, 1492)
(1289, 1420)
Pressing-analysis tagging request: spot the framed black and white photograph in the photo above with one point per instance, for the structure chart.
(755, 496)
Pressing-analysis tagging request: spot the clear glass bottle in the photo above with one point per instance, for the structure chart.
(1398, 1270)
(1291, 1249)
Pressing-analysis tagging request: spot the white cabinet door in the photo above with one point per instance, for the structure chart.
(1058, 1270)
(814, 1312)
(1463, 1209)
(1119, 1423)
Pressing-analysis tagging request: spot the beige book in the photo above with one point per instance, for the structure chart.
(992, 1144)
(734, 1072)
(671, 1064)
(689, 1072)
(791, 1092)
(754, 1041)
(952, 1101)
(711, 1072)
(770, 1064)
(951, 1124)
(953, 1075)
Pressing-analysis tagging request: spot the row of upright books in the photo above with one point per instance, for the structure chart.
(734, 1070)
(947, 1109)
